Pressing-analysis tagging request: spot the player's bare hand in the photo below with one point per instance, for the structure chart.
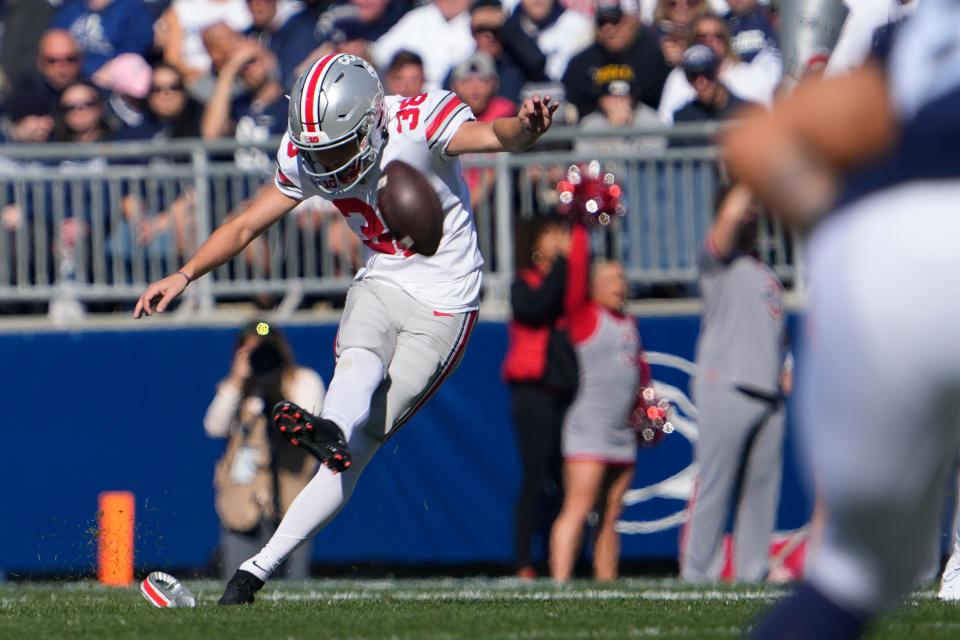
(161, 293)
(536, 114)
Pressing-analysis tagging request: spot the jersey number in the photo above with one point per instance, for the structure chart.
(410, 112)
(363, 220)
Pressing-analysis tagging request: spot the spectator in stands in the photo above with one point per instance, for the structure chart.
(598, 443)
(405, 75)
(475, 81)
(171, 113)
(24, 22)
(618, 109)
(276, 28)
(127, 77)
(541, 369)
(103, 29)
(713, 101)
(517, 56)
(260, 473)
(82, 115)
(438, 32)
(181, 35)
(624, 51)
(750, 29)
(257, 113)
(670, 15)
(754, 82)
(559, 32)
(372, 18)
(57, 67)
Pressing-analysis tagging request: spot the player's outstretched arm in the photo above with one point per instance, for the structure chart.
(225, 242)
(505, 134)
(793, 156)
(734, 211)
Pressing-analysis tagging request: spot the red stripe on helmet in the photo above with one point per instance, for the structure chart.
(442, 116)
(311, 88)
(157, 598)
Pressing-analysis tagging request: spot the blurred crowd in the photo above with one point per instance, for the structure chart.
(95, 70)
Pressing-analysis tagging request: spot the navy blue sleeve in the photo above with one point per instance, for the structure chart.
(135, 34)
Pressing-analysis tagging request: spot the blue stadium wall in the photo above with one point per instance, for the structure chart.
(85, 412)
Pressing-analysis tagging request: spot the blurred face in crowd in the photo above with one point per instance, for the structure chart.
(617, 109)
(406, 81)
(742, 6)
(220, 41)
(483, 23)
(82, 108)
(553, 241)
(707, 87)
(167, 96)
(615, 33)
(609, 286)
(683, 11)
(537, 10)
(263, 12)
(58, 59)
(370, 10)
(255, 73)
(713, 33)
(450, 9)
(476, 90)
(672, 47)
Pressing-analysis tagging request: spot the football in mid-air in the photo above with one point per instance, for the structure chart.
(410, 207)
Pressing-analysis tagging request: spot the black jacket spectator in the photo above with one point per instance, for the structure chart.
(291, 41)
(57, 67)
(624, 51)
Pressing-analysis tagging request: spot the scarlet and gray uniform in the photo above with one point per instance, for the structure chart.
(414, 312)
(611, 370)
(740, 354)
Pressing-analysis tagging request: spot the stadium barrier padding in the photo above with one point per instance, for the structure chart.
(100, 410)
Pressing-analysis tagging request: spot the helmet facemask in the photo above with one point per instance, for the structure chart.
(339, 165)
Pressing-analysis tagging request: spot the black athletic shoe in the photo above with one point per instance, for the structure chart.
(322, 438)
(241, 588)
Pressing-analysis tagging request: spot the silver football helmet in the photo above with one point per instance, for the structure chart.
(337, 121)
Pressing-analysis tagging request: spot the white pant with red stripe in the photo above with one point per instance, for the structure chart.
(419, 348)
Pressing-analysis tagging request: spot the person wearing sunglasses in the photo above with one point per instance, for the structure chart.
(754, 81)
(123, 26)
(713, 100)
(57, 67)
(623, 51)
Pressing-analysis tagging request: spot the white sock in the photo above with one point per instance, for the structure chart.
(358, 374)
(315, 506)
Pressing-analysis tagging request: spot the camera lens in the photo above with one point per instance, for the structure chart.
(265, 359)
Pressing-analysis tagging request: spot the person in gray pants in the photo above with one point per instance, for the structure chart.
(737, 389)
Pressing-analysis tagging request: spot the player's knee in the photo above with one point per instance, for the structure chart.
(360, 366)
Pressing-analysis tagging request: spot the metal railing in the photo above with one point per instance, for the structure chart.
(96, 223)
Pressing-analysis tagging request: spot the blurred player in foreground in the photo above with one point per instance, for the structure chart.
(880, 147)
(408, 316)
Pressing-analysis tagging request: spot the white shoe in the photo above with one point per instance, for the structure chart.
(950, 583)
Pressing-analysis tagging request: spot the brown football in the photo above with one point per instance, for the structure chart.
(410, 207)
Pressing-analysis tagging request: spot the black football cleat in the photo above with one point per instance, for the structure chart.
(241, 588)
(322, 438)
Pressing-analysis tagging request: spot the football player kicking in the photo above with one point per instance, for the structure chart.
(880, 147)
(408, 316)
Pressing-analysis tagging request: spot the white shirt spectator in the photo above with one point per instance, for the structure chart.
(754, 82)
(196, 15)
(439, 42)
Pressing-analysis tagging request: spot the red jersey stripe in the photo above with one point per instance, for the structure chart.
(434, 125)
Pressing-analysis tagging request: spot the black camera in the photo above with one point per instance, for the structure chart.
(265, 359)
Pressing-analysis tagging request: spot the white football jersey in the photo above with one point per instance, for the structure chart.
(419, 130)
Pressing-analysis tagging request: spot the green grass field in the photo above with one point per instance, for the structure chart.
(428, 609)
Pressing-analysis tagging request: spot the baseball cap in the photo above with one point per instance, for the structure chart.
(608, 11)
(480, 63)
(700, 60)
(347, 29)
(127, 74)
